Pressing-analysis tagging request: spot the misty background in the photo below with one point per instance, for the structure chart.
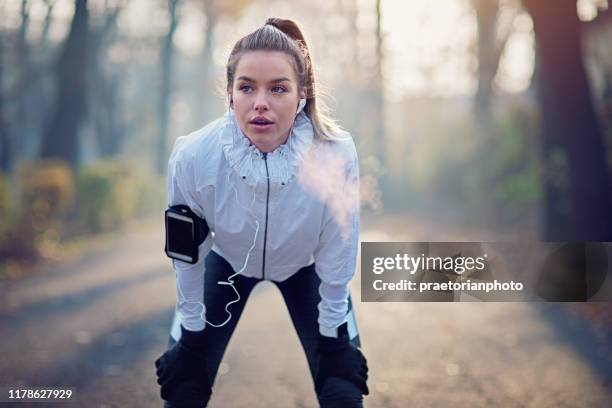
(489, 113)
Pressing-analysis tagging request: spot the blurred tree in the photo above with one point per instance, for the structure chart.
(597, 34)
(353, 93)
(21, 124)
(5, 142)
(105, 85)
(26, 92)
(23, 60)
(379, 108)
(492, 37)
(61, 137)
(349, 10)
(166, 60)
(370, 94)
(212, 11)
(44, 37)
(577, 204)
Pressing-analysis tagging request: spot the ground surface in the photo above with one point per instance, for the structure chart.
(98, 322)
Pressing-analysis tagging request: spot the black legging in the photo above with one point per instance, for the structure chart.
(301, 295)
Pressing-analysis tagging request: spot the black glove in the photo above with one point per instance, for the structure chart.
(182, 370)
(340, 358)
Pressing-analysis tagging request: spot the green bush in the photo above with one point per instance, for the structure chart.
(151, 197)
(47, 188)
(46, 193)
(106, 195)
(112, 192)
(513, 167)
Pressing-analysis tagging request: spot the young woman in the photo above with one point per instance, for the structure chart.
(277, 182)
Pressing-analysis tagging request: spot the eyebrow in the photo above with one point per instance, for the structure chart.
(274, 81)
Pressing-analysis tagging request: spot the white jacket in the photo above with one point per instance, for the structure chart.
(292, 206)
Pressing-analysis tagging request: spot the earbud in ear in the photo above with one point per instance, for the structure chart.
(229, 100)
(301, 105)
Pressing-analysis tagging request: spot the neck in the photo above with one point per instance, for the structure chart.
(267, 147)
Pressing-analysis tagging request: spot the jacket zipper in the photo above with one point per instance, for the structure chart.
(263, 264)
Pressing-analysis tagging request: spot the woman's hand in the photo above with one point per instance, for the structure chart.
(340, 358)
(182, 370)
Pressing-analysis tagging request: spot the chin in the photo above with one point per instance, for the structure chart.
(265, 147)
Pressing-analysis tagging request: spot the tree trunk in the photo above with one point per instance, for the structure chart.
(6, 151)
(486, 19)
(61, 138)
(378, 93)
(164, 101)
(205, 101)
(21, 124)
(44, 37)
(577, 203)
(106, 104)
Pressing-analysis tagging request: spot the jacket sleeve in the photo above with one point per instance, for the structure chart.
(336, 254)
(189, 277)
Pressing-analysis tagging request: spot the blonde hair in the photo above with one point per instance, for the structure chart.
(285, 36)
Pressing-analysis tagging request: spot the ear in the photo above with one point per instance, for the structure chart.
(301, 105)
(228, 90)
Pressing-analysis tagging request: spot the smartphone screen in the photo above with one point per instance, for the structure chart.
(180, 239)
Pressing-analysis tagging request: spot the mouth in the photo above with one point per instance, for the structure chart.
(261, 123)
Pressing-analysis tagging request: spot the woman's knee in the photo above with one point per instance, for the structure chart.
(338, 392)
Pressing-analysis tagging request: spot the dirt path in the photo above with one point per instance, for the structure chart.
(97, 324)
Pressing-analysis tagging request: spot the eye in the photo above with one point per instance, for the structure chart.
(245, 88)
(279, 89)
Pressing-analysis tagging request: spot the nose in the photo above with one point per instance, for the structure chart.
(261, 102)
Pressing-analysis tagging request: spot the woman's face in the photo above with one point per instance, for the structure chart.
(265, 97)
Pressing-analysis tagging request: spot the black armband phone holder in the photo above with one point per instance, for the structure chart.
(185, 232)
